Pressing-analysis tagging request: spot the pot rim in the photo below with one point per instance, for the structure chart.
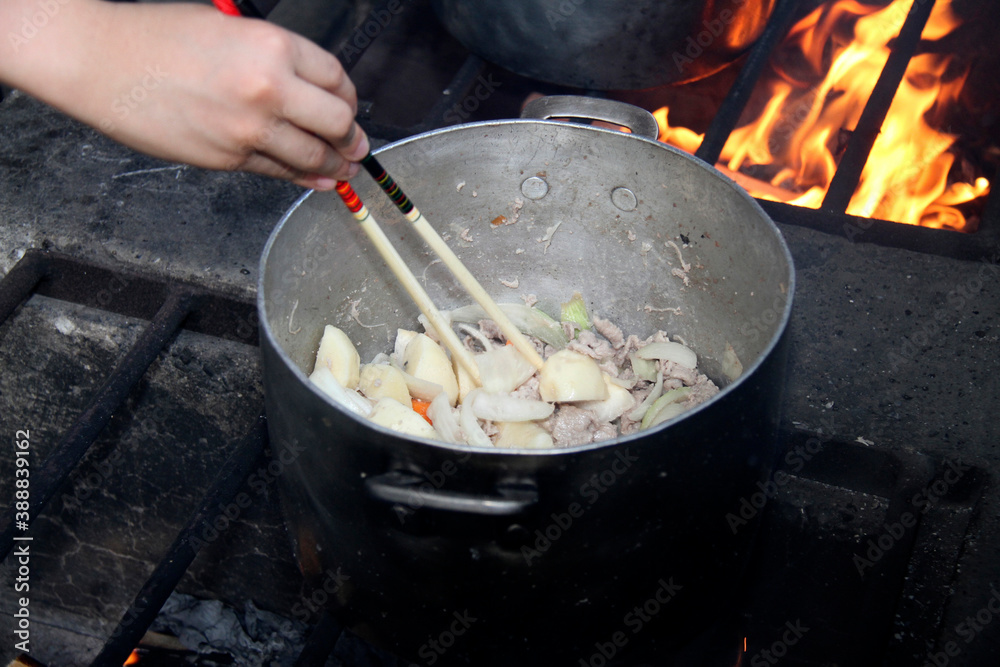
(267, 333)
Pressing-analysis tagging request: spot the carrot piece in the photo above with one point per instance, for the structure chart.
(420, 407)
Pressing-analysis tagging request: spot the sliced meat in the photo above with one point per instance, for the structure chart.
(607, 329)
(688, 376)
(528, 390)
(702, 390)
(570, 426)
(491, 329)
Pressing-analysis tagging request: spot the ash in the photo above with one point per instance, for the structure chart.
(252, 637)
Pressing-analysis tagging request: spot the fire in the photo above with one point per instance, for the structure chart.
(790, 150)
(132, 659)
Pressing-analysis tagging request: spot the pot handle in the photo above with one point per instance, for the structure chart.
(404, 488)
(636, 119)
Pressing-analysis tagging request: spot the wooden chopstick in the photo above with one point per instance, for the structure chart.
(451, 260)
(407, 279)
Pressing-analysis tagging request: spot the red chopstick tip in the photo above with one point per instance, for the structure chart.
(227, 7)
(349, 196)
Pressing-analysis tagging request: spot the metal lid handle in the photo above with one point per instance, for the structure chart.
(636, 119)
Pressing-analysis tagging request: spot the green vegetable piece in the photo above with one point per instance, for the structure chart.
(575, 311)
(666, 407)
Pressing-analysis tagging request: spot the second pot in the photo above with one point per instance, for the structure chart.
(606, 45)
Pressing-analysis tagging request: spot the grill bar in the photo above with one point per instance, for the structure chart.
(19, 282)
(845, 180)
(320, 643)
(169, 306)
(736, 100)
(971, 247)
(182, 552)
(889, 573)
(135, 295)
(989, 223)
(60, 463)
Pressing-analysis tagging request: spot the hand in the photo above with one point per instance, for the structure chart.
(185, 83)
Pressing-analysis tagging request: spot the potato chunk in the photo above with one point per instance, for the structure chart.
(381, 380)
(570, 376)
(337, 353)
(618, 402)
(523, 435)
(392, 414)
(424, 359)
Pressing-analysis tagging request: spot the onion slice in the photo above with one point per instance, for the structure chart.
(638, 413)
(503, 369)
(528, 320)
(348, 399)
(504, 408)
(474, 433)
(445, 420)
(669, 351)
(666, 407)
(425, 390)
(668, 411)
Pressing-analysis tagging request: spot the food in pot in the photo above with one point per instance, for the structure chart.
(596, 382)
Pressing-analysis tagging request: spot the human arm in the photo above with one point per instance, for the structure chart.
(185, 83)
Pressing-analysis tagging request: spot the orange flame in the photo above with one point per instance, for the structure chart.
(132, 659)
(791, 147)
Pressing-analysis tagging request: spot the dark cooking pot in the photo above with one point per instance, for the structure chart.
(486, 556)
(605, 45)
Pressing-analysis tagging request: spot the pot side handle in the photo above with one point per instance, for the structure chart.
(636, 119)
(399, 487)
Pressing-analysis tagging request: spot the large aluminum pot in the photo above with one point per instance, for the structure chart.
(605, 44)
(486, 556)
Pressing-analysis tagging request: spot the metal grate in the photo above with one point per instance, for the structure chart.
(831, 217)
(169, 306)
